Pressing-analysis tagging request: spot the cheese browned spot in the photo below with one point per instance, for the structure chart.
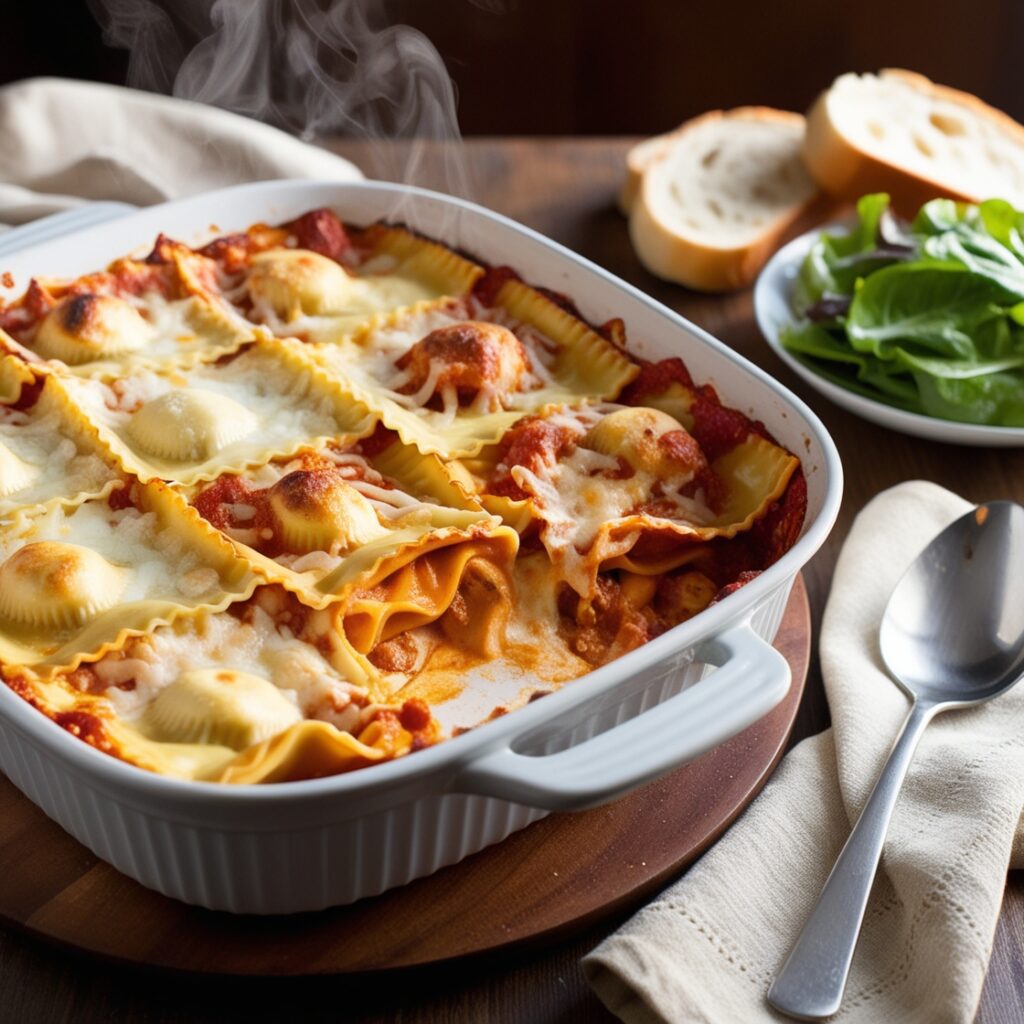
(470, 358)
(317, 509)
(83, 328)
(49, 583)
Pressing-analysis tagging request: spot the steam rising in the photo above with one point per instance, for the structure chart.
(317, 68)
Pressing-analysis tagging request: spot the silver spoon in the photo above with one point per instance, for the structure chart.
(952, 636)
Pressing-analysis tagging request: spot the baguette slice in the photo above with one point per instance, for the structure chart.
(898, 132)
(638, 159)
(718, 195)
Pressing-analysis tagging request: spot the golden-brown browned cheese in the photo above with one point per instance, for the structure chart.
(48, 583)
(468, 356)
(316, 510)
(82, 328)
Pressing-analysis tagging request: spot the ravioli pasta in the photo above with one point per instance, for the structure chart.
(138, 314)
(453, 376)
(267, 503)
(325, 292)
(76, 580)
(332, 520)
(193, 424)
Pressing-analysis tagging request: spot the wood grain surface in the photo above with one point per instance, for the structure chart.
(566, 189)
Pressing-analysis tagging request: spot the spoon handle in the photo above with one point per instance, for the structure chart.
(811, 983)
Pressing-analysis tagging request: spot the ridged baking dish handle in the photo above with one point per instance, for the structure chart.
(751, 678)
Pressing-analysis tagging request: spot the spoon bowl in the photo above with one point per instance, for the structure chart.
(953, 630)
(952, 635)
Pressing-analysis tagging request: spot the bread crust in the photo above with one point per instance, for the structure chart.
(847, 172)
(684, 260)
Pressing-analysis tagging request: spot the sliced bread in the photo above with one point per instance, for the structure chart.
(638, 159)
(898, 132)
(718, 195)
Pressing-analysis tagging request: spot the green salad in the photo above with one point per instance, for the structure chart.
(927, 316)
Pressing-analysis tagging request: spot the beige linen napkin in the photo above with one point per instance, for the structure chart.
(706, 950)
(65, 143)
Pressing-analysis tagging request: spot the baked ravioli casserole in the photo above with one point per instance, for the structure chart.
(267, 503)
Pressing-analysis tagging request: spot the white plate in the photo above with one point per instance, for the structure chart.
(773, 312)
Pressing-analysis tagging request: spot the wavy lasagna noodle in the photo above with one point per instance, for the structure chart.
(312, 279)
(148, 313)
(48, 453)
(267, 503)
(328, 522)
(453, 376)
(193, 424)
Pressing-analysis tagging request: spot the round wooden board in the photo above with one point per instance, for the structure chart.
(559, 874)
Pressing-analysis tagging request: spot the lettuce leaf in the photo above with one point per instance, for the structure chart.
(836, 261)
(928, 317)
(935, 309)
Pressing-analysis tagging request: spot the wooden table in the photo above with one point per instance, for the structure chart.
(566, 189)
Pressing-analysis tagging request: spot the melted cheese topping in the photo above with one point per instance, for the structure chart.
(15, 473)
(194, 423)
(579, 495)
(153, 560)
(296, 293)
(389, 501)
(177, 331)
(43, 458)
(183, 329)
(255, 645)
(401, 555)
(337, 517)
(468, 356)
(378, 352)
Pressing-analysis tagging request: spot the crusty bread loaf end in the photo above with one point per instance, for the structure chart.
(847, 170)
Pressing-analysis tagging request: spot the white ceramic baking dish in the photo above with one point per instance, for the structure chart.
(308, 845)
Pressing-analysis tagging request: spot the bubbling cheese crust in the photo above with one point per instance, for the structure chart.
(272, 505)
(82, 328)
